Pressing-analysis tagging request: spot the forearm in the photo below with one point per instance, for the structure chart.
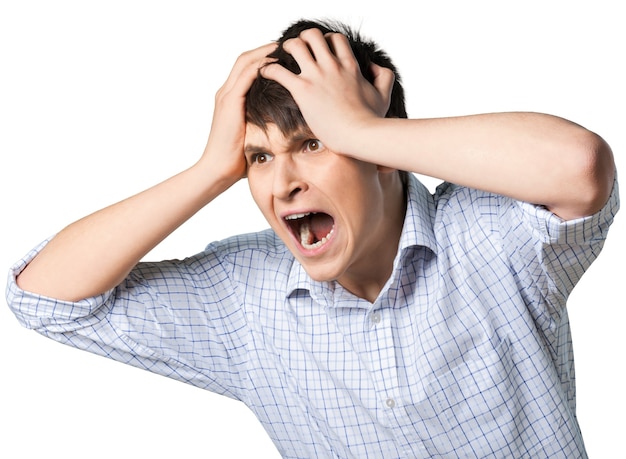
(531, 157)
(95, 253)
(528, 156)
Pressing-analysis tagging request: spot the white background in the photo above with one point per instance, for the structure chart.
(99, 100)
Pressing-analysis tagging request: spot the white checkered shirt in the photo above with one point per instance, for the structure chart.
(465, 353)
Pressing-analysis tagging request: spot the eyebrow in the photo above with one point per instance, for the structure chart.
(294, 139)
(252, 149)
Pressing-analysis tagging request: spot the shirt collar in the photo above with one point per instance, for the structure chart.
(420, 217)
(417, 230)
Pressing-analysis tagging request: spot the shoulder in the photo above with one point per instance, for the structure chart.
(264, 241)
(461, 208)
(244, 253)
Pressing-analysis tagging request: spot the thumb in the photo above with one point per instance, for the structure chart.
(383, 82)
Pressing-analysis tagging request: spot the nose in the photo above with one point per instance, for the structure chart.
(287, 180)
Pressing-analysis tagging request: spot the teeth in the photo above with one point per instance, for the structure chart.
(297, 216)
(306, 237)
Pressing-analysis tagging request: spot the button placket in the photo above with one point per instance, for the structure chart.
(375, 318)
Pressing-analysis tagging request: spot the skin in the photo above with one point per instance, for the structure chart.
(96, 253)
(296, 174)
(528, 156)
(531, 157)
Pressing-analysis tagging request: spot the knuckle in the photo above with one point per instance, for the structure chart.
(389, 73)
(268, 70)
(293, 43)
(309, 33)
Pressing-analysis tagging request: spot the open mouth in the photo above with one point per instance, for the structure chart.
(312, 229)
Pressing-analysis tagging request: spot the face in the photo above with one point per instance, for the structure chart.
(330, 210)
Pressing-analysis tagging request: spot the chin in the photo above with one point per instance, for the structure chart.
(317, 269)
(321, 274)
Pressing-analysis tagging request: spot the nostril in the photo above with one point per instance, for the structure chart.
(295, 191)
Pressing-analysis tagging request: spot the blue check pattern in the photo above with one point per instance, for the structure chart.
(465, 353)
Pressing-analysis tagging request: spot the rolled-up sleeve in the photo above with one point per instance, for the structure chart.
(550, 255)
(38, 312)
(158, 319)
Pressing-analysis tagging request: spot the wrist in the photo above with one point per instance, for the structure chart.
(210, 179)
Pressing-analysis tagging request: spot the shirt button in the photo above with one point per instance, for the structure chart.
(390, 403)
(375, 318)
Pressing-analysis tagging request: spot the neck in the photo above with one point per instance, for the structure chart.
(368, 281)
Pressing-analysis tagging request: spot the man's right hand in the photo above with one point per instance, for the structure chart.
(224, 149)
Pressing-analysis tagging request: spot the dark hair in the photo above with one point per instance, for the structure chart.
(268, 102)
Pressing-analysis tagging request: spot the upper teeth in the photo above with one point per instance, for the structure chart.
(297, 216)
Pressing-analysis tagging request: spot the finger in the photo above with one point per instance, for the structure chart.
(318, 45)
(340, 47)
(250, 59)
(383, 81)
(280, 75)
(247, 65)
(302, 52)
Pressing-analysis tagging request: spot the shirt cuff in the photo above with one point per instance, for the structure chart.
(35, 311)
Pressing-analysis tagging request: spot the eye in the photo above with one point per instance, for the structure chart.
(260, 158)
(313, 145)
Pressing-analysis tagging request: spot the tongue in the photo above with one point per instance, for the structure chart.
(320, 225)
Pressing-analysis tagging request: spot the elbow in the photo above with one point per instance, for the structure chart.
(593, 175)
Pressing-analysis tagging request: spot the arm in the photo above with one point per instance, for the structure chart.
(95, 253)
(527, 156)
(530, 157)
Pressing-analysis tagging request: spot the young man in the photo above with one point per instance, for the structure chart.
(374, 319)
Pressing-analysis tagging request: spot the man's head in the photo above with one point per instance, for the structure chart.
(270, 103)
(339, 216)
